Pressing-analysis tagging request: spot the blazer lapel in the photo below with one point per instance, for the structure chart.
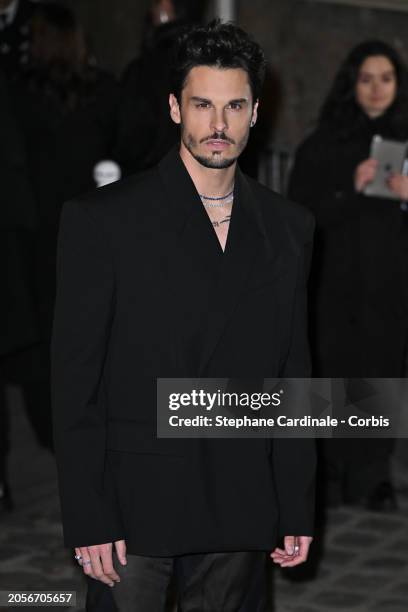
(247, 246)
(191, 263)
(186, 218)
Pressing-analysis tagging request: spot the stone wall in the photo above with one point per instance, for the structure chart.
(305, 41)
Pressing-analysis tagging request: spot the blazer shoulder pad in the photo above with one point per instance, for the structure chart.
(294, 215)
(117, 199)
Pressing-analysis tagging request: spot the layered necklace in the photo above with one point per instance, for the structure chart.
(213, 202)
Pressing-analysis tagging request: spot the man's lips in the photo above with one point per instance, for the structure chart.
(218, 144)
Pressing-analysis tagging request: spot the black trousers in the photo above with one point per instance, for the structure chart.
(216, 582)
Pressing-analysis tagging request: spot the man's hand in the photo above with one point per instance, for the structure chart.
(295, 552)
(97, 561)
(365, 173)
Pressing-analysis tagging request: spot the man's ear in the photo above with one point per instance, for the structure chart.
(174, 109)
(254, 113)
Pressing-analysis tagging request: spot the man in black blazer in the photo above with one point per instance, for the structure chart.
(187, 270)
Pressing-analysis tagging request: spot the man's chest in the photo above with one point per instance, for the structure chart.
(219, 221)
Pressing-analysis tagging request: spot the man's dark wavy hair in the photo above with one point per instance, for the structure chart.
(221, 45)
(340, 111)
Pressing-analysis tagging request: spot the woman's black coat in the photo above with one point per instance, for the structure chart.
(359, 306)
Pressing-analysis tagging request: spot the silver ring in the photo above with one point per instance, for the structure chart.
(86, 562)
(296, 549)
(78, 557)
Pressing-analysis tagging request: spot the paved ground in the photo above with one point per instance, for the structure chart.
(363, 567)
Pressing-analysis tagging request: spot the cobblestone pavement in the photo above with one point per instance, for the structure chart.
(363, 565)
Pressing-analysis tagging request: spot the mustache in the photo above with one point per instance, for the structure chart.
(218, 136)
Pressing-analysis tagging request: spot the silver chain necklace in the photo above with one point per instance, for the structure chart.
(218, 204)
(217, 201)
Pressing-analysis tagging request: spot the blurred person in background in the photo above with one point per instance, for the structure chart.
(66, 110)
(18, 221)
(360, 273)
(145, 130)
(15, 34)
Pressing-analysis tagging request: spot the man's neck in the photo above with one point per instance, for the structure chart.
(211, 182)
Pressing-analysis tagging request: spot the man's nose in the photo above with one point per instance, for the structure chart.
(219, 122)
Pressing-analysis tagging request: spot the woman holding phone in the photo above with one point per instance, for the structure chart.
(359, 288)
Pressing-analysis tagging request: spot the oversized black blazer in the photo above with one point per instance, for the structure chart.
(144, 291)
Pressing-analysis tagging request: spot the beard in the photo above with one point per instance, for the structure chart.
(213, 160)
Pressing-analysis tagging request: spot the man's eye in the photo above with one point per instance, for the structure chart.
(203, 105)
(235, 106)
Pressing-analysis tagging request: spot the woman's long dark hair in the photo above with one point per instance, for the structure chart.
(340, 111)
(59, 66)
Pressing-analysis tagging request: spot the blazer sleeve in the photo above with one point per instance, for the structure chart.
(294, 459)
(83, 316)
